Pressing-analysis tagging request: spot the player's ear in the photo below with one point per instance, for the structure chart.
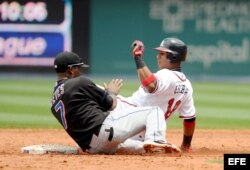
(74, 71)
(70, 71)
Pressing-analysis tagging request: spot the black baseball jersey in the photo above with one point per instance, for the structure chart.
(79, 105)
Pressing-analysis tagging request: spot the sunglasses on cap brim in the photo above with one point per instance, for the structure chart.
(78, 64)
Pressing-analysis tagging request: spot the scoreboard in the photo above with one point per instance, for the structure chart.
(32, 32)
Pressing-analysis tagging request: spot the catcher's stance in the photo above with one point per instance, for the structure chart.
(83, 109)
(168, 88)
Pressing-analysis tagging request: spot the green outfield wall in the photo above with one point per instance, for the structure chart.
(217, 33)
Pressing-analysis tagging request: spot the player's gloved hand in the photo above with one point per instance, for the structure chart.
(138, 48)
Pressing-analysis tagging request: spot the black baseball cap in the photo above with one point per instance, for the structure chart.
(67, 59)
(171, 45)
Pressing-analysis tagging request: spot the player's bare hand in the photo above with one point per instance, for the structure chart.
(186, 149)
(114, 86)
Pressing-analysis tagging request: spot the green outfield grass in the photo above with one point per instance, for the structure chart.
(25, 103)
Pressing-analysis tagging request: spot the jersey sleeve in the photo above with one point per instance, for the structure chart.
(98, 94)
(187, 109)
(163, 78)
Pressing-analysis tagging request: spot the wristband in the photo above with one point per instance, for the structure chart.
(107, 100)
(148, 80)
(139, 62)
(189, 123)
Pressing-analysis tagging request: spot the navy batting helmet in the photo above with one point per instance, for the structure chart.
(176, 49)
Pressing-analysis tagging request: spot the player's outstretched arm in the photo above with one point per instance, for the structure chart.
(146, 77)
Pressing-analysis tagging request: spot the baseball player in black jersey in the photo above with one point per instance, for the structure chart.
(96, 118)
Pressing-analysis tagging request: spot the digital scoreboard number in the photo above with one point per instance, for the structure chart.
(30, 12)
(32, 32)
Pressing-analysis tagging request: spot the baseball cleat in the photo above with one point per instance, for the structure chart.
(154, 147)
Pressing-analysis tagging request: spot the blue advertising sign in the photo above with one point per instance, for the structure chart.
(25, 46)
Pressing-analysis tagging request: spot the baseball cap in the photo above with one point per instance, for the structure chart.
(67, 59)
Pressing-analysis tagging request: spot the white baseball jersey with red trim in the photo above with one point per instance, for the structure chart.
(174, 92)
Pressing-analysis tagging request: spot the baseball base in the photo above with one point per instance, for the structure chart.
(50, 149)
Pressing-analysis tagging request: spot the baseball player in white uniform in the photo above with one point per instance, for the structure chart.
(95, 118)
(168, 88)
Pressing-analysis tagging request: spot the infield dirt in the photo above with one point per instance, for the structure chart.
(208, 149)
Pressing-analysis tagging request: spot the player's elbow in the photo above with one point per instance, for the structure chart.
(150, 88)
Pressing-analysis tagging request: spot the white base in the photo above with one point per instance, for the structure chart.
(50, 149)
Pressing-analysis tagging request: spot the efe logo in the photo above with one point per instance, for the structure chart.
(237, 161)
